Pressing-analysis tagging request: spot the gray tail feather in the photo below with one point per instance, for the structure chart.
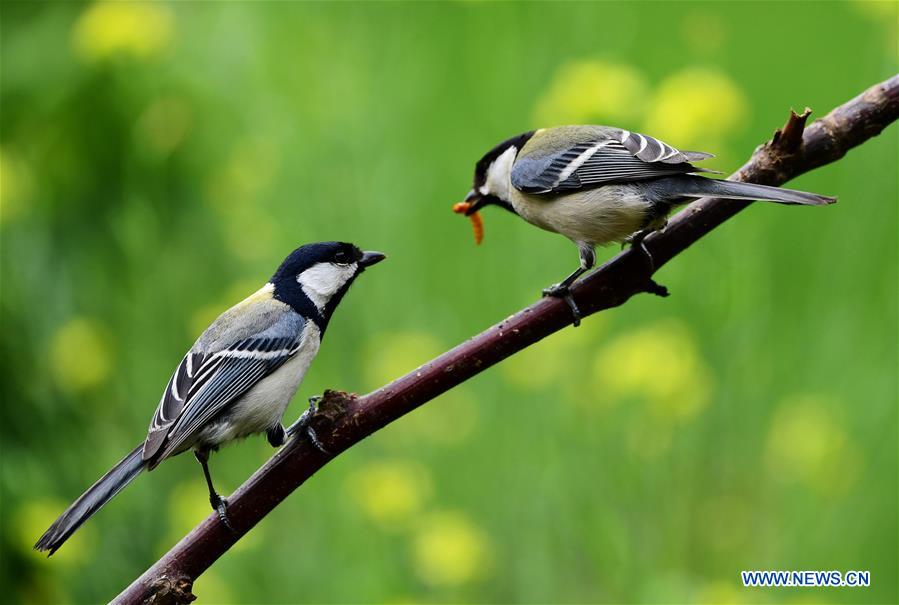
(92, 500)
(695, 186)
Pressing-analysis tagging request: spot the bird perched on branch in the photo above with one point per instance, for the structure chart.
(597, 185)
(238, 377)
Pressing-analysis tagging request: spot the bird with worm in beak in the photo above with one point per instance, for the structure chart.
(599, 185)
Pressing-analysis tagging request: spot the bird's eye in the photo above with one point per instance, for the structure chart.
(342, 258)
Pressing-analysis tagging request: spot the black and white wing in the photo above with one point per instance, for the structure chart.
(172, 402)
(203, 385)
(603, 156)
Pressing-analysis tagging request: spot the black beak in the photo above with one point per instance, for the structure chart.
(476, 202)
(370, 258)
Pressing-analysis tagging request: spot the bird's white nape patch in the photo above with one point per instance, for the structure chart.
(499, 174)
(321, 281)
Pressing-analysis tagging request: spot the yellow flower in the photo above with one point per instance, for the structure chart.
(138, 29)
(592, 92)
(806, 444)
(390, 493)
(696, 108)
(450, 550)
(80, 355)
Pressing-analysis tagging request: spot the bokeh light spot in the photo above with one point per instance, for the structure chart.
(33, 518)
(81, 355)
(392, 355)
(592, 92)
(211, 588)
(16, 186)
(450, 550)
(137, 29)
(648, 438)
(659, 363)
(202, 317)
(188, 505)
(250, 168)
(164, 125)
(696, 108)
(390, 493)
(806, 444)
(547, 362)
(886, 12)
(715, 593)
(235, 192)
(703, 32)
(448, 420)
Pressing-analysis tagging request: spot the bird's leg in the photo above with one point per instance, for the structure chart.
(303, 423)
(563, 288)
(636, 240)
(305, 417)
(219, 504)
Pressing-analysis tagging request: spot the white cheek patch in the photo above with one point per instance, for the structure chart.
(499, 174)
(323, 280)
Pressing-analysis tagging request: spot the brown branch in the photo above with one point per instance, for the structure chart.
(789, 138)
(343, 419)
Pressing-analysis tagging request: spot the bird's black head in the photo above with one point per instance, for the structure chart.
(314, 278)
(491, 174)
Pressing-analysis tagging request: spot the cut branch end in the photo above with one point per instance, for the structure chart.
(789, 138)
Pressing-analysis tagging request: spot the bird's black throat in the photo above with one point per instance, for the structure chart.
(289, 291)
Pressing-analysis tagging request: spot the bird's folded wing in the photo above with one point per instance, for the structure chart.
(618, 156)
(172, 402)
(197, 394)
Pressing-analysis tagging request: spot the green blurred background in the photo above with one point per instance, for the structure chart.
(159, 160)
